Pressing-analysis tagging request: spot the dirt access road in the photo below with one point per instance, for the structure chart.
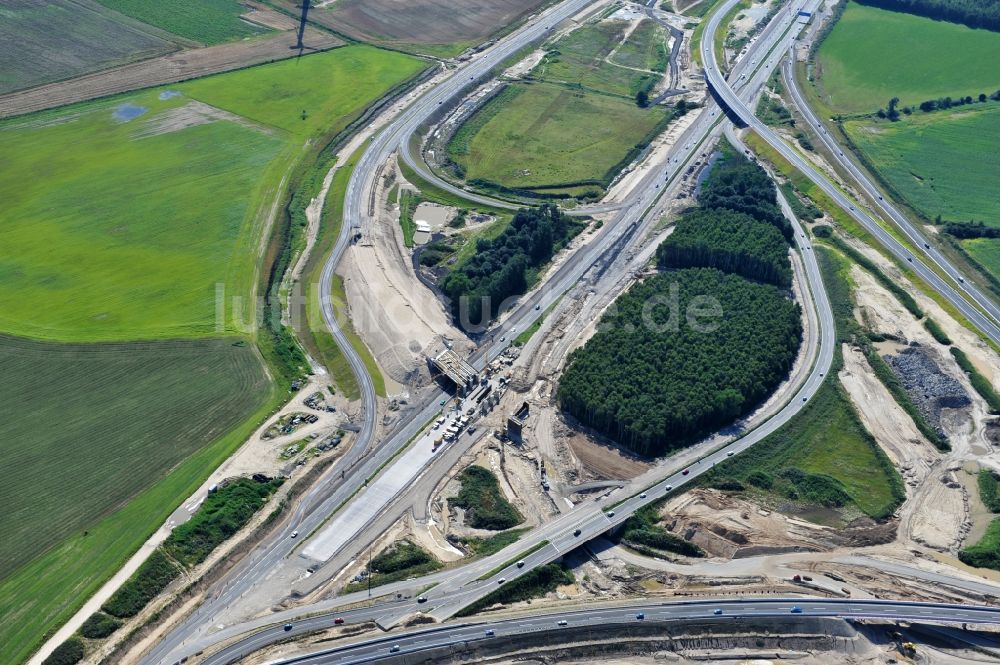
(171, 68)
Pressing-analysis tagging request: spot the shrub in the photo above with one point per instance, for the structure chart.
(99, 625)
(483, 501)
(152, 577)
(69, 652)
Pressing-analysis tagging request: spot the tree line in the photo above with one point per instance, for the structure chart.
(973, 13)
(730, 241)
(500, 268)
(893, 109)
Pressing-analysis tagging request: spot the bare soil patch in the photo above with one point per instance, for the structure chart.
(170, 68)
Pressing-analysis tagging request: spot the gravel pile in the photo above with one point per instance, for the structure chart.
(928, 386)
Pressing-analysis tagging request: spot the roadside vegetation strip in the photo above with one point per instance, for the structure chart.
(936, 331)
(644, 533)
(484, 547)
(205, 21)
(980, 383)
(989, 489)
(805, 186)
(985, 553)
(534, 583)
(872, 55)
(510, 562)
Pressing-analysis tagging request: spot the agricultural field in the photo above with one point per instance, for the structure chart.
(436, 27)
(545, 136)
(324, 86)
(121, 218)
(985, 252)
(127, 235)
(90, 238)
(95, 426)
(942, 163)
(872, 55)
(42, 41)
(204, 21)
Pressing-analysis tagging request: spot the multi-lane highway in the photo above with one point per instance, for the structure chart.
(461, 586)
(973, 311)
(264, 563)
(864, 182)
(462, 635)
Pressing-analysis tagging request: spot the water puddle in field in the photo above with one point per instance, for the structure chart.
(169, 94)
(127, 112)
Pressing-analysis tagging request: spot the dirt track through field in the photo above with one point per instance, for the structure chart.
(164, 70)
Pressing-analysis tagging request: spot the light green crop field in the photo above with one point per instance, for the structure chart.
(985, 252)
(579, 59)
(543, 135)
(943, 163)
(127, 235)
(333, 88)
(873, 55)
(119, 219)
(205, 21)
(115, 231)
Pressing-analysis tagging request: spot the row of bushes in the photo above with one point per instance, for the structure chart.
(978, 381)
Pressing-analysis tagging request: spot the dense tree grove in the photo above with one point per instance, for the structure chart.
(500, 268)
(654, 377)
(966, 230)
(730, 241)
(973, 13)
(738, 184)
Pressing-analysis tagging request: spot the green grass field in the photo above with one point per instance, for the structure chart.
(125, 236)
(333, 88)
(42, 41)
(646, 48)
(543, 135)
(579, 59)
(205, 21)
(943, 163)
(985, 252)
(873, 55)
(120, 217)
